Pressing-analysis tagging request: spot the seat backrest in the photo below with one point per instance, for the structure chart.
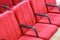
(24, 14)
(9, 28)
(16, 1)
(50, 2)
(39, 7)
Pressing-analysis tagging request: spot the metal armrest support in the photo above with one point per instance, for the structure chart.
(7, 7)
(45, 15)
(53, 5)
(30, 27)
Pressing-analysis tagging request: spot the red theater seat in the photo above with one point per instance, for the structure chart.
(39, 8)
(25, 16)
(5, 4)
(9, 28)
(52, 9)
(44, 30)
(54, 19)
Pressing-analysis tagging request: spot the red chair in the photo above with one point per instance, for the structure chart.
(26, 18)
(10, 29)
(7, 4)
(55, 8)
(39, 8)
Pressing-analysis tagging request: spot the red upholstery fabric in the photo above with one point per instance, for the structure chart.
(25, 16)
(44, 30)
(16, 1)
(29, 38)
(2, 29)
(10, 30)
(53, 17)
(38, 7)
(7, 3)
(50, 2)
(42, 7)
(52, 9)
(55, 10)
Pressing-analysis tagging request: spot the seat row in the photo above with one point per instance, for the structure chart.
(53, 7)
(40, 7)
(27, 21)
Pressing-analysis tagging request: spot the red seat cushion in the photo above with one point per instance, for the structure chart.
(44, 30)
(29, 38)
(55, 10)
(53, 17)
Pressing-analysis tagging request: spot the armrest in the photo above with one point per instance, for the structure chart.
(7, 7)
(45, 15)
(30, 27)
(53, 5)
